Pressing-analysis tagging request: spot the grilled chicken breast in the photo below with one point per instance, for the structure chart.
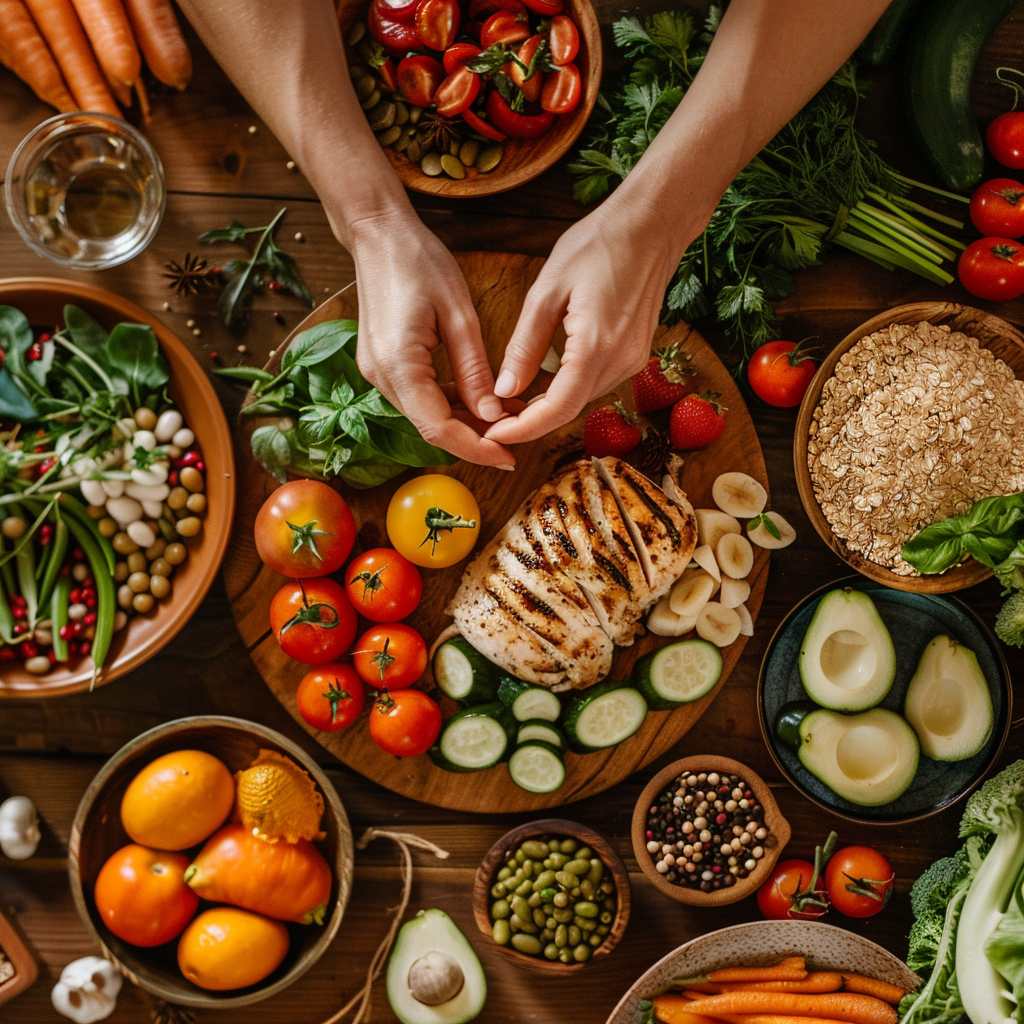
(572, 572)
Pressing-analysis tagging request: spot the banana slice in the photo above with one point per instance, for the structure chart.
(691, 593)
(734, 592)
(705, 558)
(762, 538)
(739, 495)
(717, 624)
(552, 362)
(711, 524)
(746, 622)
(735, 555)
(664, 622)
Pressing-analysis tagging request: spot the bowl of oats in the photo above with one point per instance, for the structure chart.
(913, 417)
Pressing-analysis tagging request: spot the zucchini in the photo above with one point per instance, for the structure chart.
(944, 45)
(473, 739)
(464, 674)
(539, 729)
(527, 701)
(787, 721)
(603, 716)
(537, 767)
(884, 39)
(677, 673)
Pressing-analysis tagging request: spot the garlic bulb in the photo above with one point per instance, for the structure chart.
(19, 828)
(87, 990)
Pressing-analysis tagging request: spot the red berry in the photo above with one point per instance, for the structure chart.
(34, 353)
(89, 618)
(75, 596)
(89, 600)
(18, 628)
(696, 421)
(29, 649)
(66, 632)
(610, 430)
(51, 655)
(663, 380)
(78, 555)
(45, 534)
(190, 458)
(172, 478)
(7, 654)
(201, 466)
(85, 647)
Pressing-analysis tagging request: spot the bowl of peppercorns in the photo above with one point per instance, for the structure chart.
(707, 831)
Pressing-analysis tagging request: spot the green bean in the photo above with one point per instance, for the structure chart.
(6, 569)
(58, 549)
(526, 943)
(59, 615)
(6, 616)
(25, 567)
(501, 933)
(79, 512)
(106, 598)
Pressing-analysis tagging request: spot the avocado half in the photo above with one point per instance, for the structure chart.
(847, 660)
(948, 702)
(434, 975)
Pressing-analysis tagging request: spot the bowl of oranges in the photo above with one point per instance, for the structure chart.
(212, 861)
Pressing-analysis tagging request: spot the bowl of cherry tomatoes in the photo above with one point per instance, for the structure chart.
(473, 97)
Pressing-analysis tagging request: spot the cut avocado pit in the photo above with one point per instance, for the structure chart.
(435, 978)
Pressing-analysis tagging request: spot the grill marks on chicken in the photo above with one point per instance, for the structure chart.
(572, 572)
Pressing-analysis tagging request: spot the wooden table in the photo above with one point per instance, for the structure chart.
(217, 169)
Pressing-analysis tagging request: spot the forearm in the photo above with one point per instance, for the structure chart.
(290, 65)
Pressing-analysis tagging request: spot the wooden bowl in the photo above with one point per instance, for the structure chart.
(25, 968)
(523, 159)
(42, 300)
(992, 332)
(97, 833)
(778, 827)
(760, 943)
(560, 828)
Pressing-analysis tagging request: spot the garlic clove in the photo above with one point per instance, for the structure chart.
(19, 828)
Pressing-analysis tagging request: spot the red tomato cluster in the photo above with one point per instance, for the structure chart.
(506, 67)
(306, 530)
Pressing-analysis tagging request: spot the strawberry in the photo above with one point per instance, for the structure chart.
(663, 380)
(696, 420)
(610, 430)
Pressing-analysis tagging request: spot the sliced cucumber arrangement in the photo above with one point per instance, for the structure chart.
(474, 739)
(678, 673)
(537, 767)
(527, 701)
(604, 716)
(464, 674)
(539, 729)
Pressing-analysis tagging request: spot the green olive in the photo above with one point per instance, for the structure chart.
(526, 944)
(500, 910)
(501, 933)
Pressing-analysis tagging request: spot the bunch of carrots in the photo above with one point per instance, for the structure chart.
(787, 993)
(87, 54)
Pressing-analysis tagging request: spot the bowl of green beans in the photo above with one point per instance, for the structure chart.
(552, 895)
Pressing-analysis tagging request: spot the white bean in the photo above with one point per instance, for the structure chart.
(141, 533)
(120, 620)
(124, 510)
(113, 488)
(169, 423)
(140, 492)
(92, 491)
(144, 439)
(39, 665)
(125, 427)
(155, 475)
(153, 509)
(184, 438)
(43, 636)
(77, 612)
(84, 466)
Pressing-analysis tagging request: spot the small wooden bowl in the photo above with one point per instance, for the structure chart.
(42, 300)
(556, 827)
(992, 332)
(97, 833)
(523, 159)
(25, 968)
(778, 828)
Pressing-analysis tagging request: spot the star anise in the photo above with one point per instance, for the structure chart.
(187, 277)
(653, 452)
(169, 1013)
(438, 132)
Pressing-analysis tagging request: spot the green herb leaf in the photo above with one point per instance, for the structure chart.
(14, 404)
(272, 450)
(234, 232)
(244, 373)
(85, 332)
(134, 354)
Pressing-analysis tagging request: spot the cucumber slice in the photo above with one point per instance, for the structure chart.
(537, 767)
(603, 716)
(527, 701)
(677, 673)
(464, 674)
(473, 739)
(540, 729)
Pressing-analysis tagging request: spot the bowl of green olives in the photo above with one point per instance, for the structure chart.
(552, 895)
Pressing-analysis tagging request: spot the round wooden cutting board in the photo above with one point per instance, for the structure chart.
(498, 284)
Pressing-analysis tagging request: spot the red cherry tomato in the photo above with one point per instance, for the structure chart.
(564, 39)
(778, 897)
(505, 27)
(331, 696)
(305, 529)
(993, 268)
(1005, 139)
(388, 75)
(313, 621)
(455, 94)
(397, 37)
(997, 208)
(418, 78)
(545, 7)
(483, 9)
(779, 373)
(859, 881)
(405, 723)
(390, 657)
(562, 90)
(529, 87)
(401, 10)
(457, 54)
(382, 585)
(437, 23)
(509, 121)
(481, 127)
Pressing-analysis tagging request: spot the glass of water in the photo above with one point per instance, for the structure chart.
(86, 190)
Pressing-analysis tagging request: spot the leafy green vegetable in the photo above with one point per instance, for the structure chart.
(135, 356)
(1005, 946)
(1010, 571)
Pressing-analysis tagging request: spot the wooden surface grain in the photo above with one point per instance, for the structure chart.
(51, 750)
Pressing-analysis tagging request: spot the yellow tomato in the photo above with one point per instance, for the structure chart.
(226, 948)
(433, 520)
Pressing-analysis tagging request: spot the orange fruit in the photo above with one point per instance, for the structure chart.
(279, 800)
(227, 948)
(178, 800)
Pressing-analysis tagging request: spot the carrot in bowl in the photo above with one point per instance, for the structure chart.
(873, 987)
(791, 969)
(23, 51)
(106, 25)
(159, 37)
(840, 1006)
(675, 1009)
(815, 982)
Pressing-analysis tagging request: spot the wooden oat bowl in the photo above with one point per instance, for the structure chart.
(555, 827)
(42, 300)
(993, 333)
(523, 159)
(778, 828)
(25, 968)
(97, 833)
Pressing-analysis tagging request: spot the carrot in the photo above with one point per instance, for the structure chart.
(791, 969)
(816, 981)
(121, 93)
(107, 27)
(160, 39)
(674, 1009)
(62, 30)
(23, 50)
(873, 987)
(851, 1007)
(772, 1018)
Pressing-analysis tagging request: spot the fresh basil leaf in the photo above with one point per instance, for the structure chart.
(341, 365)
(401, 441)
(134, 353)
(236, 299)
(85, 332)
(369, 474)
(234, 232)
(317, 344)
(272, 450)
(283, 269)
(14, 405)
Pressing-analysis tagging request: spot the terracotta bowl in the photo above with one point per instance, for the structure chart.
(992, 332)
(523, 159)
(556, 828)
(760, 943)
(42, 300)
(25, 968)
(97, 833)
(778, 828)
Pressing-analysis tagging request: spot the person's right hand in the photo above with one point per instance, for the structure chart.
(413, 297)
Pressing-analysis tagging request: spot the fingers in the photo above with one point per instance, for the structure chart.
(542, 312)
(460, 330)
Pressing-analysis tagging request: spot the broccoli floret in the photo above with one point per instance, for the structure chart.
(1010, 620)
(998, 806)
(930, 893)
(1010, 571)
(924, 939)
